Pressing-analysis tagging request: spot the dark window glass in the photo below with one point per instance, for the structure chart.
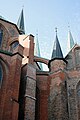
(14, 45)
(78, 93)
(78, 100)
(1, 34)
(77, 55)
(1, 74)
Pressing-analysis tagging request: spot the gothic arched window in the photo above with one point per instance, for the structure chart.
(78, 99)
(1, 74)
(77, 56)
(14, 45)
(1, 34)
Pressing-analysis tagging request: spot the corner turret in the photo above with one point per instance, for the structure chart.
(57, 61)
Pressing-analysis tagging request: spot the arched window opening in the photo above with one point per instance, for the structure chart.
(1, 74)
(1, 35)
(78, 100)
(77, 56)
(14, 45)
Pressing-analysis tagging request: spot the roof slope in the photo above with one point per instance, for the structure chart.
(57, 52)
(37, 50)
(70, 41)
(20, 23)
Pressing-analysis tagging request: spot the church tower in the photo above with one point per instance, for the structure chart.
(26, 91)
(57, 98)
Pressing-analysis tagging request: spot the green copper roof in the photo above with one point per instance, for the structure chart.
(37, 50)
(70, 41)
(57, 52)
(5, 52)
(20, 23)
(2, 17)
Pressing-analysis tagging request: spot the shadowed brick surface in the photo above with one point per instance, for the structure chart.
(27, 92)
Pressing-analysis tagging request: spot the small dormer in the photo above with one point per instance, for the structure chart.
(57, 61)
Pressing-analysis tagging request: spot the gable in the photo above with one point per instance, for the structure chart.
(73, 57)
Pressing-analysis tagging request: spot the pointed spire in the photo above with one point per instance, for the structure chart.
(57, 52)
(20, 23)
(70, 41)
(37, 49)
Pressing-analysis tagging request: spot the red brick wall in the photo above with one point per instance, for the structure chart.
(10, 87)
(42, 97)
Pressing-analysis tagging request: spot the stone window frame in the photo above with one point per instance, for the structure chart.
(78, 88)
(1, 74)
(13, 45)
(76, 48)
(78, 98)
(1, 36)
(5, 37)
(5, 68)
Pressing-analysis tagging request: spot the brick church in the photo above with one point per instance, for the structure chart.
(26, 91)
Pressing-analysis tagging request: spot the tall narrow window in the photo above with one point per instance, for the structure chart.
(77, 57)
(1, 34)
(78, 100)
(1, 74)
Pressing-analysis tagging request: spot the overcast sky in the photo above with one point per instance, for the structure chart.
(44, 16)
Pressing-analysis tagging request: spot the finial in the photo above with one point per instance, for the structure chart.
(68, 26)
(56, 30)
(37, 34)
(23, 7)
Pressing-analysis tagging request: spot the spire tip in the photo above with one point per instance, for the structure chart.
(68, 26)
(56, 30)
(22, 6)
